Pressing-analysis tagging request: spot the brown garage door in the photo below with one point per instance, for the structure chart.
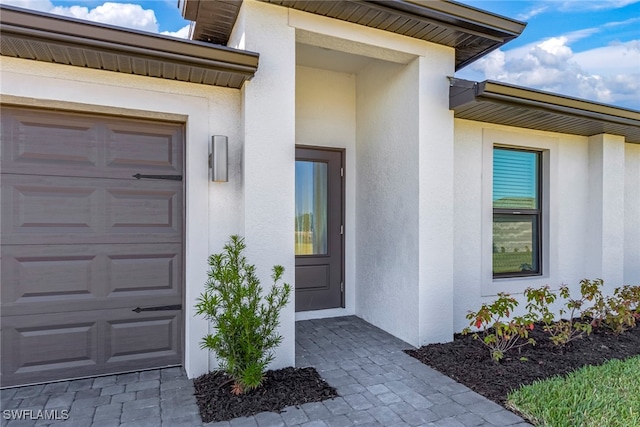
(84, 244)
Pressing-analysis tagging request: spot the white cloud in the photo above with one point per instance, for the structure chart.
(533, 12)
(617, 58)
(609, 74)
(594, 5)
(182, 33)
(120, 14)
(41, 5)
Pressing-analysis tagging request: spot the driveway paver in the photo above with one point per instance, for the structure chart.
(378, 384)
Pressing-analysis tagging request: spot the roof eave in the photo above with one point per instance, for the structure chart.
(465, 94)
(481, 32)
(194, 62)
(563, 104)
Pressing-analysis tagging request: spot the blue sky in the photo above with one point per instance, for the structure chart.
(587, 49)
(582, 48)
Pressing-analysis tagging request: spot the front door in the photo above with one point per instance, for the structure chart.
(319, 229)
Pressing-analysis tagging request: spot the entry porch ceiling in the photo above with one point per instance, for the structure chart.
(504, 104)
(471, 32)
(51, 38)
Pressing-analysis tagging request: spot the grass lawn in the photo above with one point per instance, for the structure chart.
(594, 396)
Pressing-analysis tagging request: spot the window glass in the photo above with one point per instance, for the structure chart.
(515, 245)
(516, 213)
(515, 179)
(311, 208)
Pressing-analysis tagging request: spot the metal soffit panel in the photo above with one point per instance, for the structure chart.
(49, 38)
(472, 32)
(213, 20)
(504, 104)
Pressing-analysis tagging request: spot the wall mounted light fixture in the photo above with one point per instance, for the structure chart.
(219, 158)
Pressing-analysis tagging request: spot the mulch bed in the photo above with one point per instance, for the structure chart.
(281, 388)
(468, 361)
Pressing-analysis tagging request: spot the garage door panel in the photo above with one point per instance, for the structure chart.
(27, 136)
(144, 147)
(38, 348)
(61, 346)
(142, 209)
(52, 206)
(48, 276)
(137, 274)
(133, 339)
(41, 142)
(56, 278)
(77, 210)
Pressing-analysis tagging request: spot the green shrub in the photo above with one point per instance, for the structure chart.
(563, 330)
(497, 331)
(245, 322)
(618, 312)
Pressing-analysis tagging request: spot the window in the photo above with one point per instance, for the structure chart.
(516, 213)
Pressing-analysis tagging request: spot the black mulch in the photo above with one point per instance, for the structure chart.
(281, 388)
(468, 361)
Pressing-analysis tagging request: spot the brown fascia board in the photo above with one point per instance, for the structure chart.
(558, 103)
(27, 23)
(189, 9)
(463, 18)
(495, 29)
(464, 92)
(482, 20)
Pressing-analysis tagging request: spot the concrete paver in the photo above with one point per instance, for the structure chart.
(378, 384)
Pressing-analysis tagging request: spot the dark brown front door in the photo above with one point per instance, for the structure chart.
(319, 229)
(84, 244)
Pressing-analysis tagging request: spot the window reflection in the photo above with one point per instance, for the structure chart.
(311, 208)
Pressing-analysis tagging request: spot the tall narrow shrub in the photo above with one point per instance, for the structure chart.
(245, 321)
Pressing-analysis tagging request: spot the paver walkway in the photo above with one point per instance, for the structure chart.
(378, 384)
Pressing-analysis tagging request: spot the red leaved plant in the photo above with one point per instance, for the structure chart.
(497, 331)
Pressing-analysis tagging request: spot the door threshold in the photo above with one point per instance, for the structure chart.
(323, 314)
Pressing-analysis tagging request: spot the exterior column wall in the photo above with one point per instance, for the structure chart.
(435, 199)
(387, 198)
(632, 215)
(605, 236)
(269, 153)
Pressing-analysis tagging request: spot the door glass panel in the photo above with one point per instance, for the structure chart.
(311, 208)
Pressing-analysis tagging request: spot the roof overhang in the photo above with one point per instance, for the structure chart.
(510, 105)
(51, 38)
(471, 32)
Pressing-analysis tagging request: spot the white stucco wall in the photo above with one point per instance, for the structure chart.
(403, 211)
(436, 198)
(387, 198)
(632, 215)
(404, 204)
(400, 118)
(605, 254)
(268, 134)
(577, 242)
(326, 117)
(211, 208)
